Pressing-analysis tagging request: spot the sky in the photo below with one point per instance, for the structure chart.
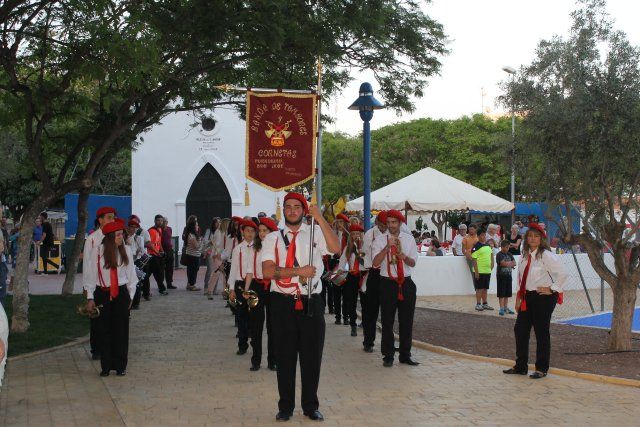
(484, 36)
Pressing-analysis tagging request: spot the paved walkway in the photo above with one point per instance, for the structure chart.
(183, 371)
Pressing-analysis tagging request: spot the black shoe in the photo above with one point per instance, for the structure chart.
(273, 367)
(147, 298)
(331, 311)
(338, 322)
(241, 352)
(104, 373)
(537, 375)
(315, 415)
(254, 368)
(409, 362)
(514, 371)
(354, 331)
(164, 293)
(368, 349)
(283, 416)
(345, 322)
(171, 287)
(121, 373)
(95, 356)
(387, 362)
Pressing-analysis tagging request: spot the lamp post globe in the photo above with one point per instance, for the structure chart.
(366, 104)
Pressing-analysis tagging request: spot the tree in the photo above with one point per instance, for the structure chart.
(579, 143)
(85, 79)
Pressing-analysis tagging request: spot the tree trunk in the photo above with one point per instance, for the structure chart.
(74, 255)
(20, 317)
(439, 218)
(624, 302)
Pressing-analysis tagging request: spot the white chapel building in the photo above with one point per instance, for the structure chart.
(195, 164)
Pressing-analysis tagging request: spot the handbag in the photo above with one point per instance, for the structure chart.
(183, 256)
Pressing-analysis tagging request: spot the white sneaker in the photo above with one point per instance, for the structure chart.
(486, 306)
(479, 307)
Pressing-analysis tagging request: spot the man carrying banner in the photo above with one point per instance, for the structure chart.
(297, 310)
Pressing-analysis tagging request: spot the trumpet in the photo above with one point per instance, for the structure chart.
(233, 301)
(225, 293)
(394, 256)
(358, 248)
(84, 311)
(252, 298)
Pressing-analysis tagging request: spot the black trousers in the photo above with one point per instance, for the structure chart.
(242, 317)
(538, 315)
(93, 336)
(371, 308)
(350, 297)
(156, 268)
(390, 304)
(297, 333)
(113, 328)
(256, 325)
(193, 265)
(168, 266)
(44, 254)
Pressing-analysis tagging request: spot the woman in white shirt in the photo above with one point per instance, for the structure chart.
(262, 287)
(210, 253)
(114, 285)
(541, 277)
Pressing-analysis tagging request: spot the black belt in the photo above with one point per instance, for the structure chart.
(293, 296)
(107, 288)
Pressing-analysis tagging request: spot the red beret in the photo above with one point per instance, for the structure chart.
(105, 210)
(134, 222)
(392, 213)
(356, 227)
(269, 223)
(237, 219)
(343, 217)
(382, 216)
(112, 227)
(248, 223)
(299, 197)
(536, 226)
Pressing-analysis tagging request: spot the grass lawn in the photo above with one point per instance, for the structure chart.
(53, 321)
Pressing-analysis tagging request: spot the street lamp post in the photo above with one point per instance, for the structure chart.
(366, 103)
(512, 72)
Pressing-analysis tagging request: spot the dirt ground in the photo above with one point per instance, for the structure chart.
(492, 336)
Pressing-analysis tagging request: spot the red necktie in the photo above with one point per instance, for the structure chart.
(113, 289)
(523, 285)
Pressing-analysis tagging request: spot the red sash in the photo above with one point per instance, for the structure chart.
(286, 283)
(113, 276)
(399, 266)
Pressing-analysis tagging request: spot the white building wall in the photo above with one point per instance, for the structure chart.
(173, 153)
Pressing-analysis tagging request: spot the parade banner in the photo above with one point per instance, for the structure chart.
(281, 132)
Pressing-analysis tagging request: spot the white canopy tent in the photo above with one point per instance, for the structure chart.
(429, 190)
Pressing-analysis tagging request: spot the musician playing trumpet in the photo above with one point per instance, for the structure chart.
(396, 254)
(352, 259)
(339, 226)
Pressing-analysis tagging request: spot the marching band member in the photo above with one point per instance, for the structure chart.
(542, 277)
(135, 241)
(351, 258)
(104, 216)
(113, 281)
(239, 280)
(339, 228)
(295, 287)
(372, 307)
(261, 287)
(396, 254)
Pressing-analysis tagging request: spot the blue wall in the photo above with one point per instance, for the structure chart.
(122, 204)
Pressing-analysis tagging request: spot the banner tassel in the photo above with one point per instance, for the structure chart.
(246, 194)
(278, 209)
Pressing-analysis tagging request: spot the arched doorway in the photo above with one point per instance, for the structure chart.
(208, 197)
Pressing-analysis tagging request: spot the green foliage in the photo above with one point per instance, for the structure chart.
(468, 148)
(44, 331)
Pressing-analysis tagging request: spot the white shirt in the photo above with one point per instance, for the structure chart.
(543, 272)
(228, 245)
(370, 236)
(274, 242)
(4, 336)
(256, 264)
(145, 235)
(457, 244)
(90, 258)
(409, 248)
(218, 243)
(126, 273)
(348, 264)
(136, 244)
(495, 238)
(238, 271)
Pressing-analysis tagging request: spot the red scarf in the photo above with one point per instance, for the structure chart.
(400, 268)
(355, 270)
(286, 283)
(113, 277)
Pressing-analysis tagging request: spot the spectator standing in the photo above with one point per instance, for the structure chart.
(167, 245)
(506, 263)
(47, 243)
(492, 234)
(483, 260)
(156, 263)
(515, 240)
(457, 241)
(210, 251)
(468, 243)
(193, 251)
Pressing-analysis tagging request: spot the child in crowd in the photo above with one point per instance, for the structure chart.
(506, 263)
(483, 261)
